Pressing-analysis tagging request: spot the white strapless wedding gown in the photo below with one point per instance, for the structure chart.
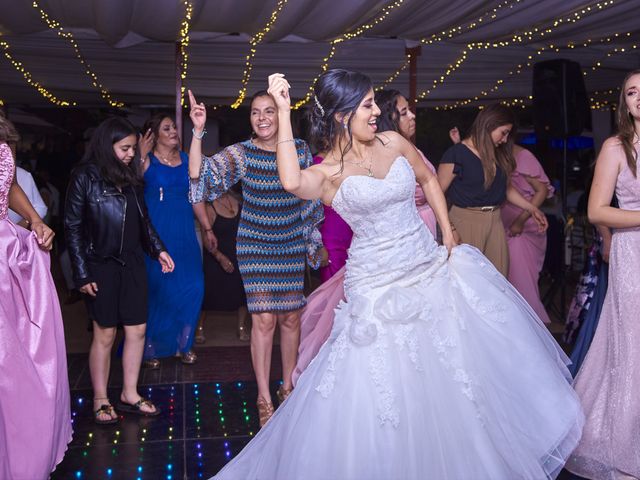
(436, 368)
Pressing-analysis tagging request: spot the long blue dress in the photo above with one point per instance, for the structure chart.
(174, 298)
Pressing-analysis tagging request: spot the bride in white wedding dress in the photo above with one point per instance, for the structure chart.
(436, 368)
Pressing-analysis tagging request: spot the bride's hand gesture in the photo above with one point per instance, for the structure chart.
(279, 91)
(198, 113)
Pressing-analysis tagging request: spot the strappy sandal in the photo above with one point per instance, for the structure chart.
(136, 408)
(151, 364)
(283, 393)
(265, 410)
(189, 358)
(105, 409)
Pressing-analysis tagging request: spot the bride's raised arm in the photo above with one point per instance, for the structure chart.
(308, 183)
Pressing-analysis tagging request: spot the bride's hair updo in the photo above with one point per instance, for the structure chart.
(337, 93)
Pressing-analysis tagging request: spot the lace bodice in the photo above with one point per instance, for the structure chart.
(7, 168)
(389, 238)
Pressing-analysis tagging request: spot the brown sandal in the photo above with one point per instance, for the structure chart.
(189, 358)
(265, 410)
(283, 393)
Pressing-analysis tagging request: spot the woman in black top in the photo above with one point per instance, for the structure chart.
(475, 176)
(107, 230)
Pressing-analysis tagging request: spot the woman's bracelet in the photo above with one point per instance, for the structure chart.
(285, 141)
(208, 230)
(198, 136)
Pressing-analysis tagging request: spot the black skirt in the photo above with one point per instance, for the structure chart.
(223, 291)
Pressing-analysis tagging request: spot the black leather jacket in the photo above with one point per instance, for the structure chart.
(94, 222)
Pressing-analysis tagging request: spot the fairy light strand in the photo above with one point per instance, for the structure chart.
(516, 38)
(59, 29)
(460, 29)
(253, 43)
(184, 44)
(381, 17)
(391, 78)
(29, 78)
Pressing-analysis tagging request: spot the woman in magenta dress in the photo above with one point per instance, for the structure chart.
(317, 318)
(608, 382)
(527, 244)
(35, 417)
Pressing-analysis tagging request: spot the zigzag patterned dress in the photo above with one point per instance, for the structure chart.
(277, 230)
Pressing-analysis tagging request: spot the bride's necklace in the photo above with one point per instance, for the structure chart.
(167, 160)
(368, 168)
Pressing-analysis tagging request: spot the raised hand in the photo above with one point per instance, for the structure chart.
(198, 113)
(279, 91)
(145, 144)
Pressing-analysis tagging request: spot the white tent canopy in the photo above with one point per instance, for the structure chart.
(130, 45)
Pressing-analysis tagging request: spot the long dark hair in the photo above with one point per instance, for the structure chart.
(626, 126)
(336, 92)
(387, 101)
(490, 118)
(153, 124)
(100, 152)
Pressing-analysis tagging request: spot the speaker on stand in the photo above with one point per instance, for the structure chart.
(560, 110)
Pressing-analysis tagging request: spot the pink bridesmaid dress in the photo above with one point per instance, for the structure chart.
(317, 318)
(35, 419)
(608, 382)
(527, 250)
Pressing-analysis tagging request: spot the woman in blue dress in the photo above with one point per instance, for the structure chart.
(174, 299)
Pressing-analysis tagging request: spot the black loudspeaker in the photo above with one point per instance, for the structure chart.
(560, 103)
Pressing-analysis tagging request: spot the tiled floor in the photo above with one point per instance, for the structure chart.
(202, 425)
(208, 410)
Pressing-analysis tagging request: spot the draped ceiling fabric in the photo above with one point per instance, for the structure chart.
(130, 45)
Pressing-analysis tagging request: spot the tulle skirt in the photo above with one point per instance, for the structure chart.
(445, 373)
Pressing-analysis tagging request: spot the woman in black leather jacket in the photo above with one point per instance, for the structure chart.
(108, 230)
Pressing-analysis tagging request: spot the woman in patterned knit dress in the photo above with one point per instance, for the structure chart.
(276, 232)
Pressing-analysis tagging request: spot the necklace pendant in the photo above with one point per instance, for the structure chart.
(370, 174)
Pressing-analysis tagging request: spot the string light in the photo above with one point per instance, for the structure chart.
(29, 78)
(611, 53)
(54, 25)
(529, 62)
(516, 38)
(391, 78)
(254, 42)
(342, 38)
(184, 43)
(460, 29)
(450, 69)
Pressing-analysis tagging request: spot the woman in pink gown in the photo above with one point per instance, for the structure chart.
(317, 317)
(35, 420)
(527, 245)
(608, 382)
